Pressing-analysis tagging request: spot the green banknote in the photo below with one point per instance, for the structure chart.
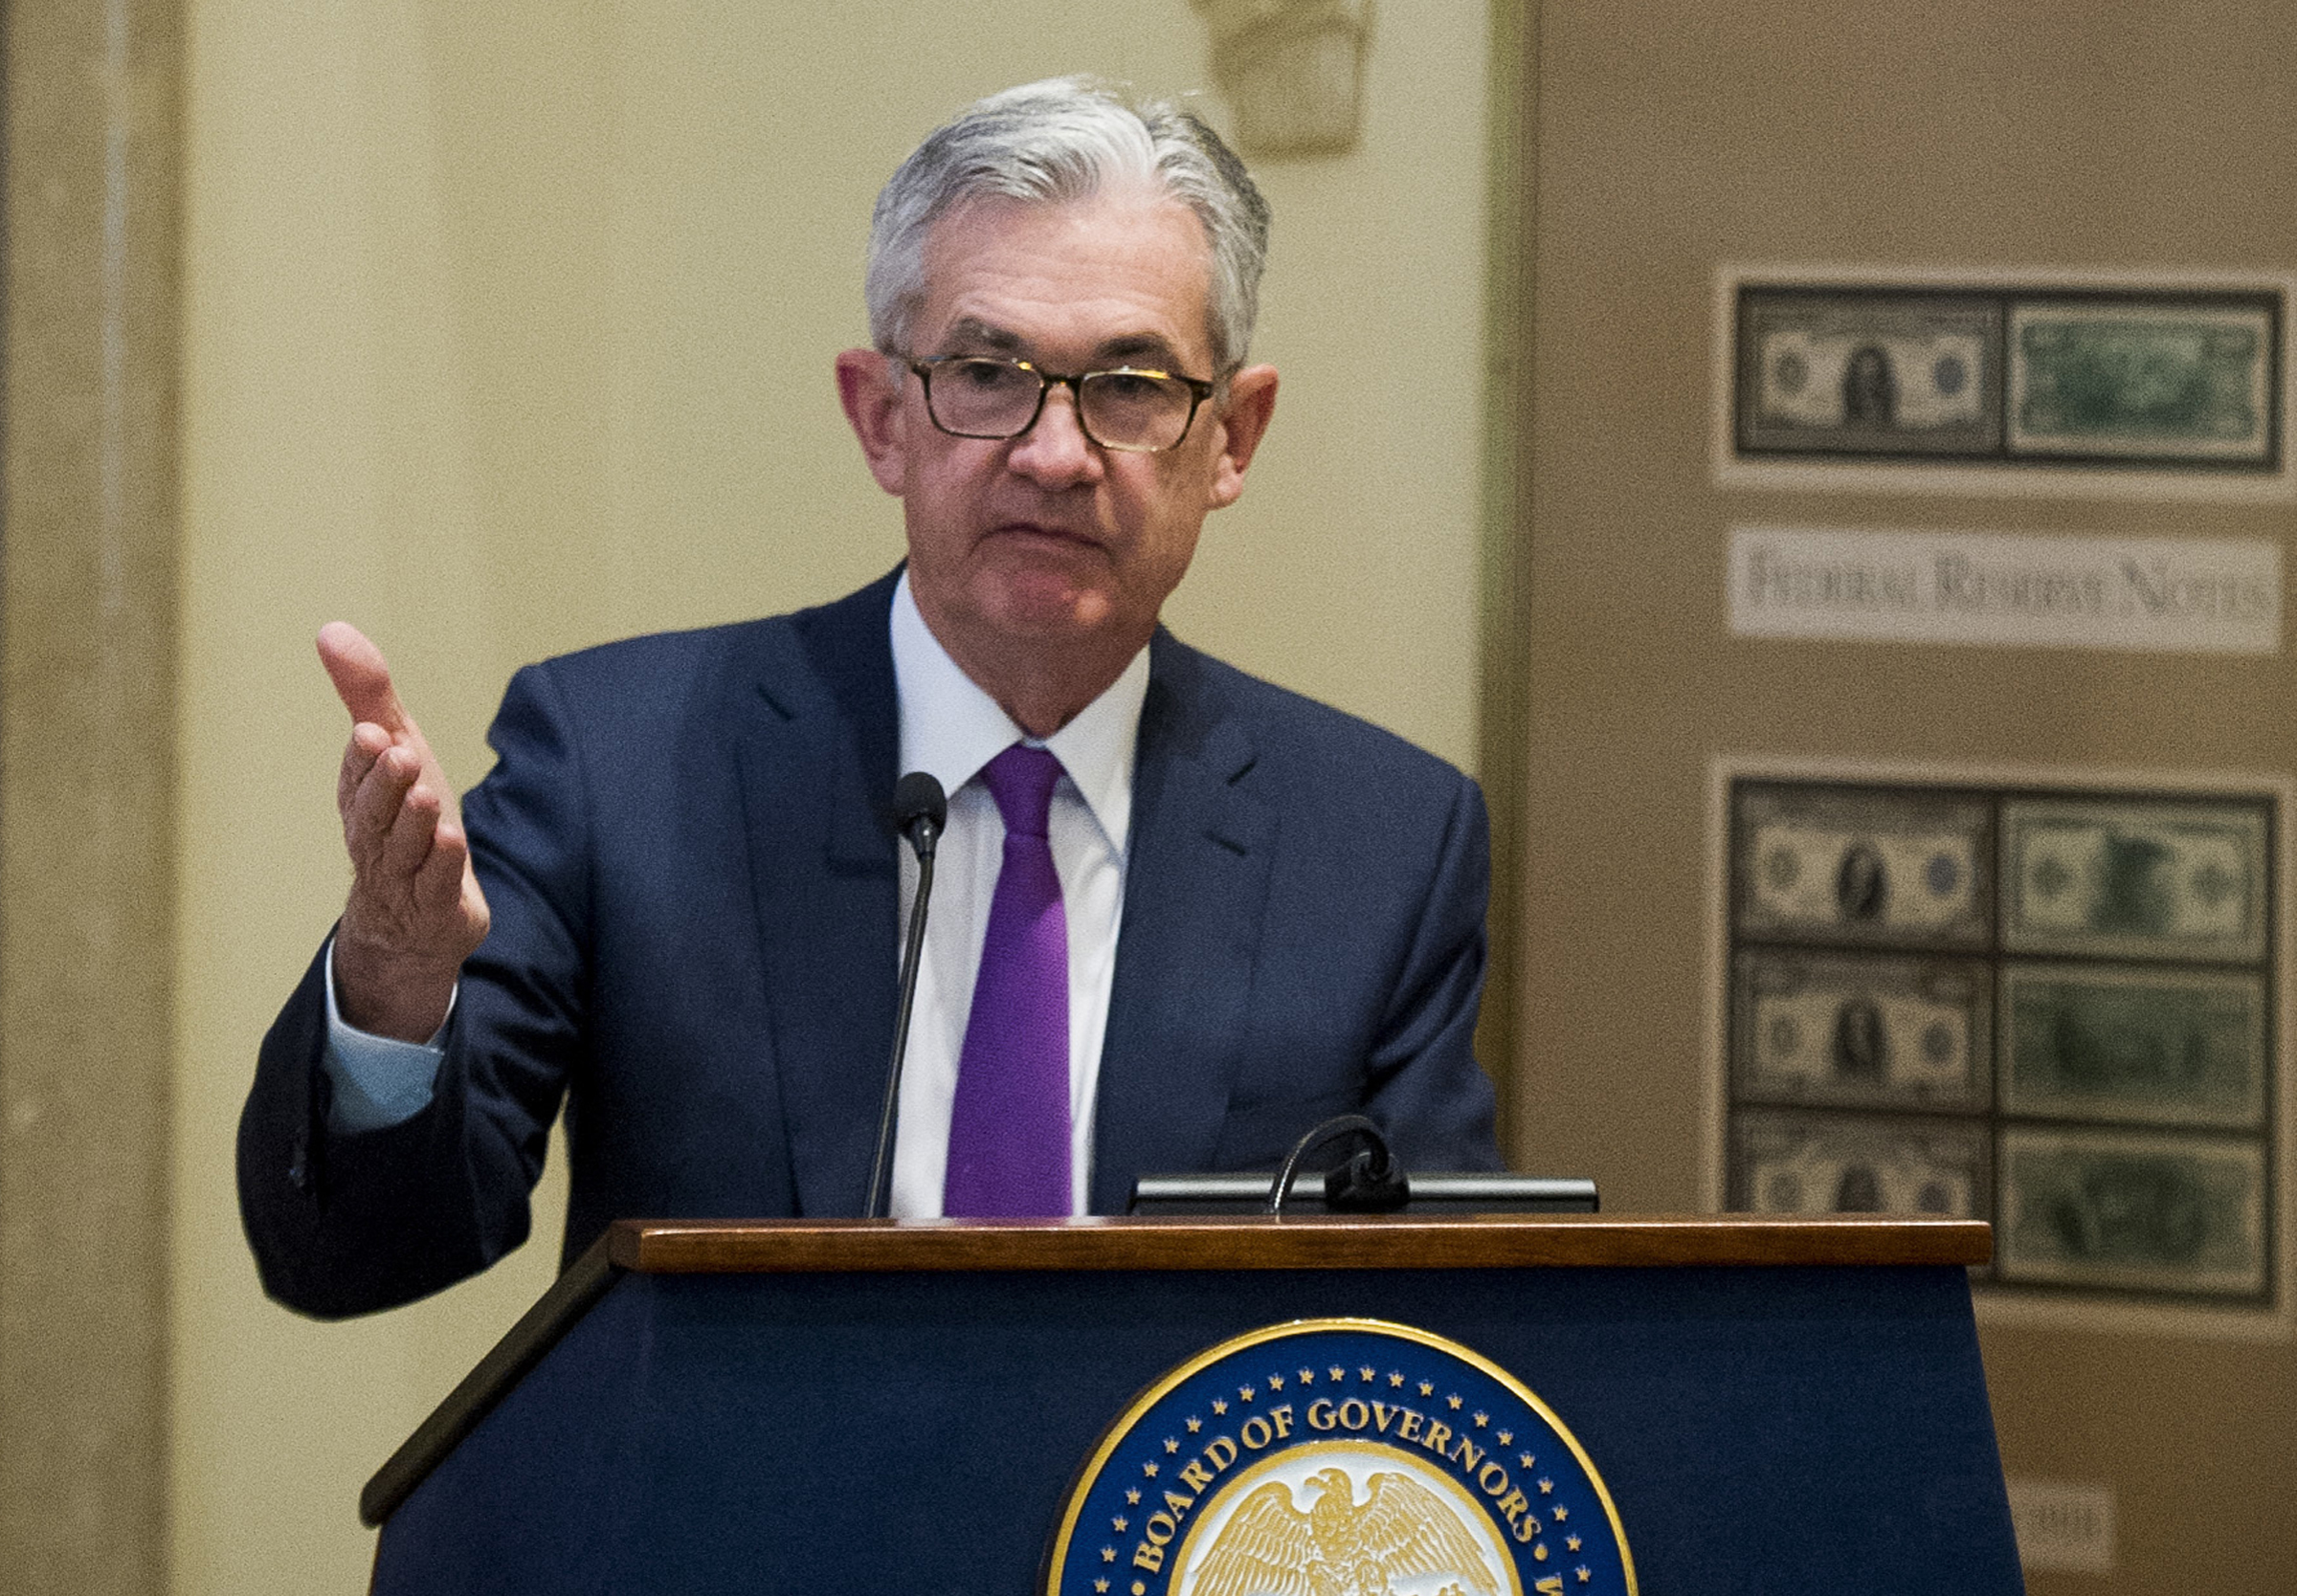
(1783, 1163)
(2133, 1212)
(2134, 880)
(2165, 378)
(2164, 1046)
(1863, 865)
(1888, 1030)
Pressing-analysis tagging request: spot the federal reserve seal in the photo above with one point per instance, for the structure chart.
(1339, 1457)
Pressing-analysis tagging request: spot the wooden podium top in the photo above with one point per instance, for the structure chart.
(1548, 1241)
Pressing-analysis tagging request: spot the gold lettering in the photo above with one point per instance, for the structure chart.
(1321, 1415)
(1160, 1528)
(1178, 1503)
(1407, 1427)
(1363, 1414)
(1484, 1479)
(1195, 1474)
(1524, 1529)
(1467, 1454)
(1223, 1451)
(1150, 1558)
(1438, 1433)
(1381, 1413)
(1283, 1417)
(1512, 1507)
(1266, 1434)
(1552, 1585)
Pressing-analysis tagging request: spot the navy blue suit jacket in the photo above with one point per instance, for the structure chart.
(694, 889)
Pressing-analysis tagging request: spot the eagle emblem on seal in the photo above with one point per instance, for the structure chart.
(1339, 1547)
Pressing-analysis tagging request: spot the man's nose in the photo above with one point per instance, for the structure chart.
(1056, 450)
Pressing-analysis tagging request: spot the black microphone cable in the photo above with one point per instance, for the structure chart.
(1371, 1182)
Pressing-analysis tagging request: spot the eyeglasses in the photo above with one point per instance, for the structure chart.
(1138, 411)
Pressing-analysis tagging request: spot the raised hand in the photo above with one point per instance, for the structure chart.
(415, 910)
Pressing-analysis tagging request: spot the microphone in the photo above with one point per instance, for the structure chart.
(919, 811)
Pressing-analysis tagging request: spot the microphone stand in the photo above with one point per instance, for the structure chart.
(920, 809)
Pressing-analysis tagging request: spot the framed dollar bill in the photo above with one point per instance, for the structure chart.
(2130, 1209)
(2094, 383)
(1789, 1163)
(2051, 1004)
(1874, 372)
(2119, 878)
(1886, 1030)
(1851, 866)
(2184, 379)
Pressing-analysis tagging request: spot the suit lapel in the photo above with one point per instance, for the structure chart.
(1196, 888)
(817, 752)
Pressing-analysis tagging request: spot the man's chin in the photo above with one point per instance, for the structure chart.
(1049, 605)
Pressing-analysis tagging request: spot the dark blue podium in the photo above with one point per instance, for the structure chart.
(1776, 1406)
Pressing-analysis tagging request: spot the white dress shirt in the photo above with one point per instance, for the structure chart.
(952, 728)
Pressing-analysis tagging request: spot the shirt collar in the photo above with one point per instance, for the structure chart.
(951, 728)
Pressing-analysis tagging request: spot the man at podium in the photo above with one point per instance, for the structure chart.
(1182, 915)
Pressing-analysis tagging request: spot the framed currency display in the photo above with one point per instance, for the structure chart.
(2050, 1008)
(2185, 379)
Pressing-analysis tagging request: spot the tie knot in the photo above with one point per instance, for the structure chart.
(1021, 780)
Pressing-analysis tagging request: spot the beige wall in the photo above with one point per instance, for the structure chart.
(1674, 137)
(507, 329)
(88, 212)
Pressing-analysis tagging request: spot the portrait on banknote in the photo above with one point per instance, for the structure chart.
(2170, 378)
(2053, 1009)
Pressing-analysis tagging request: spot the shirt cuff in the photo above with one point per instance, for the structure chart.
(379, 1080)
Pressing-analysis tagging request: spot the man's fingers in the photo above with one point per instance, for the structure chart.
(362, 678)
(376, 805)
(439, 884)
(368, 740)
(413, 835)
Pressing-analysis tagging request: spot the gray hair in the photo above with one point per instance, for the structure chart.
(1057, 142)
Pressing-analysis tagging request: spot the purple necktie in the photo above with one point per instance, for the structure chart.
(1009, 1127)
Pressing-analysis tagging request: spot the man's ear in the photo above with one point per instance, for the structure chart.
(869, 387)
(1244, 423)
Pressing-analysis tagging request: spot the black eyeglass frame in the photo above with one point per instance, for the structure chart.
(1199, 391)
